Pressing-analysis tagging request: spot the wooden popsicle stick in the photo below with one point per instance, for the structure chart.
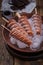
(17, 14)
(35, 10)
(5, 28)
(5, 20)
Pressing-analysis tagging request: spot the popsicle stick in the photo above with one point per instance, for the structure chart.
(5, 20)
(35, 10)
(17, 14)
(5, 28)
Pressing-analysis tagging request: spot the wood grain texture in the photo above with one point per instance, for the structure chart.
(5, 57)
(39, 4)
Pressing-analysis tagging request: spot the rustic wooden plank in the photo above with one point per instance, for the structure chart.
(18, 62)
(27, 63)
(37, 62)
(39, 3)
(5, 57)
(40, 11)
(40, 61)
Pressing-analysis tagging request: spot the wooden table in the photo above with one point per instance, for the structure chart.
(7, 59)
(39, 4)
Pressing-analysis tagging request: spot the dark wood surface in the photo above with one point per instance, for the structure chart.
(6, 58)
(40, 6)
